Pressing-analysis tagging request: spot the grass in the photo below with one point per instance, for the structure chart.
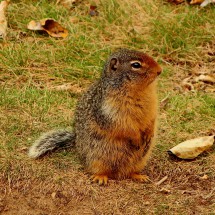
(33, 66)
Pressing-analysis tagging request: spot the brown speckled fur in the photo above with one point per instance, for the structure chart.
(115, 120)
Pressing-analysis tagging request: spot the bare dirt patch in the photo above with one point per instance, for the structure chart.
(70, 191)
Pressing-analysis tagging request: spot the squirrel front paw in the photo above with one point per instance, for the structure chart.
(100, 179)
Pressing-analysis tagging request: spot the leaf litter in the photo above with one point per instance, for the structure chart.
(49, 25)
(201, 79)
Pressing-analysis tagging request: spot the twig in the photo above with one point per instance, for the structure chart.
(161, 181)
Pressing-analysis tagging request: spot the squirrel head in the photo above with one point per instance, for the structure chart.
(129, 67)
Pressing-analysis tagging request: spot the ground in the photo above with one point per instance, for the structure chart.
(41, 79)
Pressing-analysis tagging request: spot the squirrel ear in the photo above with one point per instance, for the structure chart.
(114, 64)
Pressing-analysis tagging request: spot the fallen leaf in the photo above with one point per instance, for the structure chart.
(206, 78)
(52, 27)
(35, 26)
(190, 149)
(68, 3)
(201, 79)
(3, 21)
(206, 2)
(93, 11)
(196, 1)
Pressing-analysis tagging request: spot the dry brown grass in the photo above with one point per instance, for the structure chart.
(32, 69)
(68, 190)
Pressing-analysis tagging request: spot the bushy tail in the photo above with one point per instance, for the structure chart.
(50, 141)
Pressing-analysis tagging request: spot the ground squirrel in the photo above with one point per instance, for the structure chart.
(115, 120)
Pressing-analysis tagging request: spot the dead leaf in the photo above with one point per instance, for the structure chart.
(3, 21)
(35, 26)
(93, 11)
(196, 1)
(206, 78)
(52, 27)
(206, 2)
(68, 3)
(201, 79)
(190, 149)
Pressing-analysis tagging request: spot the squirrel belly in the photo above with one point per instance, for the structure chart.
(115, 120)
(121, 146)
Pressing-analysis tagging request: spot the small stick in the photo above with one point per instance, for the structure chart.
(161, 181)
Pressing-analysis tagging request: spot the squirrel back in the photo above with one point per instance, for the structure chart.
(115, 120)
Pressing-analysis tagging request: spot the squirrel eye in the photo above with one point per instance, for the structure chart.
(136, 65)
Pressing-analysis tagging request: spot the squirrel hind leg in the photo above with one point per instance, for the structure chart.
(139, 177)
(100, 179)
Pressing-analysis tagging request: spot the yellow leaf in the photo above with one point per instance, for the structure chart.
(196, 1)
(52, 27)
(190, 149)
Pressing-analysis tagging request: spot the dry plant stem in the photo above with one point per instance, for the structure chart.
(161, 181)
